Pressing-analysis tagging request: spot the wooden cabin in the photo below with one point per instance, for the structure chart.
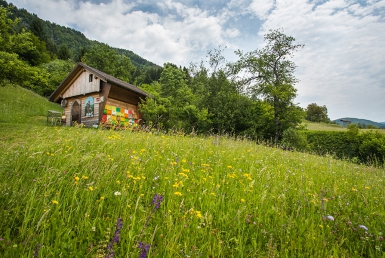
(91, 97)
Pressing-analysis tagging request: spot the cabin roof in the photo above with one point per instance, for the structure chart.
(55, 96)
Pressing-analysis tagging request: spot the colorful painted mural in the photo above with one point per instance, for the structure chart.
(89, 107)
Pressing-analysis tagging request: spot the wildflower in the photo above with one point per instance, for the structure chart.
(242, 200)
(76, 178)
(157, 200)
(354, 189)
(143, 249)
(55, 202)
(115, 240)
(178, 193)
(363, 227)
(85, 177)
(102, 198)
(91, 188)
(329, 218)
(117, 193)
(198, 214)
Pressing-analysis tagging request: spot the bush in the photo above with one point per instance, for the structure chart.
(292, 138)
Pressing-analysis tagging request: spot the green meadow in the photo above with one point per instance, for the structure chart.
(78, 192)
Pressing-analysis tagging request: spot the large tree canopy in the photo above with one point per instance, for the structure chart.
(269, 73)
(317, 113)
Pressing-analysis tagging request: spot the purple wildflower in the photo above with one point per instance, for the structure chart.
(115, 240)
(144, 248)
(157, 200)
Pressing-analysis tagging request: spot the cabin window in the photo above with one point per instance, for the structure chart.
(90, 78)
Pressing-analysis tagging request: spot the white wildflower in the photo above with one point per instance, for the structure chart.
(329, 217)
(117, 193)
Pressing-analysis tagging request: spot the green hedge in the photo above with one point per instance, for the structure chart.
(368, 147)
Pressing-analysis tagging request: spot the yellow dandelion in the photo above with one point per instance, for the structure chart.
(90, 188)
(76, 178)
(178, 193)
(354, 189)
(242, 200)
(84, 177)
(55, 202)
(102, 198)
(198, 214)
(141, 195)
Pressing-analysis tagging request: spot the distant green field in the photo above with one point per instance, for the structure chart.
(322, 126)
(332, 127)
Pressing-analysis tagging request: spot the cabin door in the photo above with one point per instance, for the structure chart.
(75, 113)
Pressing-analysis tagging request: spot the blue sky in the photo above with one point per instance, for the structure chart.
(342, 65)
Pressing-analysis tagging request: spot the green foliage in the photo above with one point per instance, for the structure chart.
(317, 113)
(365, 147)
(270, 74)
(293, 138)
(19, 72)
(57, 70)
(106, 59)
(64, 53)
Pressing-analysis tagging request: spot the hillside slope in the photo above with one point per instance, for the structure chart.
(22, 106)
(360, 121)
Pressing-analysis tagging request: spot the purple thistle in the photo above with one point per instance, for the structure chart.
(157, 200)
(144, 248)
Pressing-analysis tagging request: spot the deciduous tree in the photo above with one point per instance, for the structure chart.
(269, 73)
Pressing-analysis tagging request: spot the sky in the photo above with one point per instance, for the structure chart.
(342, 65)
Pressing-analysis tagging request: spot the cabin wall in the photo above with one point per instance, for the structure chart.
(86, 83)
(89, 109)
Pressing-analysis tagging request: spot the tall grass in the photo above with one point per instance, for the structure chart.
(22, 106)
(64, 191)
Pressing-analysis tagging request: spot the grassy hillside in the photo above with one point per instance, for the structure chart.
(76, 192)
(22, 106)
(313, 126)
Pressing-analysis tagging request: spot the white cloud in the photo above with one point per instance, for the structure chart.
(340, 66)
(261, 8)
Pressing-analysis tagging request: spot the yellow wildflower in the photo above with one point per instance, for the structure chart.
(76, 178)
(84, 177)
(242, 200)
(55, 202)
(90, 188)
(178, 193)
